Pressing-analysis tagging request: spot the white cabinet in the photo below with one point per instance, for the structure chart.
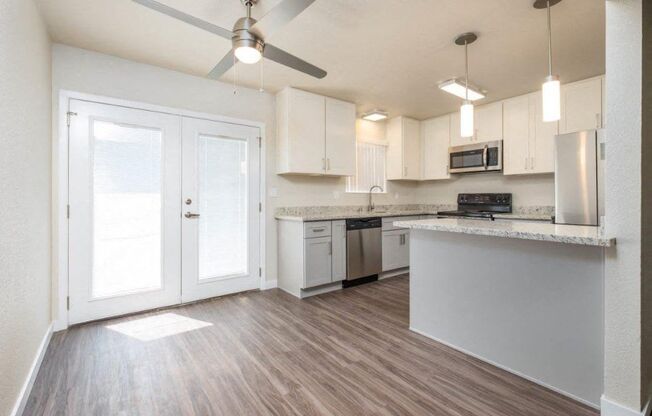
(396, 249)
(489, 122)
(340, 138)
(315, 134)
(581, 106)
(311, 255)
(528, 141)
(318, 263)
(516, 149)
(488, 125)
(403, 152)
(338, 258)
(543, 144)
(435, 141)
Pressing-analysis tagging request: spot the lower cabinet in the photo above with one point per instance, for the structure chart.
(396, 249)
(310, 254)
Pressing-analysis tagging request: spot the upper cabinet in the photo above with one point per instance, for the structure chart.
(340, 138)
(404, 150)
(528, 140)
(315, 134)
(581, 106)
(488, 123)
(435, 141)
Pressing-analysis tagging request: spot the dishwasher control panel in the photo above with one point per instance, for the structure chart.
(363, 223)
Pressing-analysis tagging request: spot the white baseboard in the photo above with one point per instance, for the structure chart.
(21, 402)
(509, 370)
(611, 408)
(269, 284)
(393, 273)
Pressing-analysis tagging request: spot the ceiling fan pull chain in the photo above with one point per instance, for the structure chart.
(235, 75)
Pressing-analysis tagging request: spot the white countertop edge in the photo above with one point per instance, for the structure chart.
(523, 234)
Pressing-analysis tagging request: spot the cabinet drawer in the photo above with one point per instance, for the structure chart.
(317, 229)
(388, 221)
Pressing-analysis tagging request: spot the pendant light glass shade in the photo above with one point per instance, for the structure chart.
(551, 93)
(467, 129)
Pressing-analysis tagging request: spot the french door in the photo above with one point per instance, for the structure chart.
(163, 210)
(220, 209)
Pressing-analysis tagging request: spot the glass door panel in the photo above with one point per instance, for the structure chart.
(223, 204)
(127, 218)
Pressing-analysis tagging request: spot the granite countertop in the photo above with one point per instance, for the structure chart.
(525, 230)
(316, 216)
(346, 215)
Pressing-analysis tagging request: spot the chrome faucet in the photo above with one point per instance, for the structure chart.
(371, 204)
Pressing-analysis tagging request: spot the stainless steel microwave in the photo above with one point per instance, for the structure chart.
(477, 157)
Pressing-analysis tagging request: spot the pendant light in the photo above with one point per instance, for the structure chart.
(551, 90)
(467, 129)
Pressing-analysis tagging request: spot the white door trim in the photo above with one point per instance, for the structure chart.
(60, 185)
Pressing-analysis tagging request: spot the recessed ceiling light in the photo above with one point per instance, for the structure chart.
(375, 115)
(457, 87)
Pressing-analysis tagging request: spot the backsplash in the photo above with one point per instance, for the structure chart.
(402, 208)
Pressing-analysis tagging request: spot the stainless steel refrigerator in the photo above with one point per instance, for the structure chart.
(579, 173)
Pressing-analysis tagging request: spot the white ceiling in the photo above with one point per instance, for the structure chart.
(389, 54)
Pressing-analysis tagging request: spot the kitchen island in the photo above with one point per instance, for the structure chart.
(525, 296)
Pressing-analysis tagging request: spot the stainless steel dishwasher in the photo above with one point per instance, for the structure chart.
(363, 250)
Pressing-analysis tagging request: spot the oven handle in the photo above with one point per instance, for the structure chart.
(485, 153)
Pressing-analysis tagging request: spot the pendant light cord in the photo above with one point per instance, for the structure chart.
(466, 81)
(549, 42)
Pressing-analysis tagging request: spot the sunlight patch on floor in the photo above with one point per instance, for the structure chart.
(159, 326)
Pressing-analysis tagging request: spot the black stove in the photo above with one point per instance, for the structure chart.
(482, 206)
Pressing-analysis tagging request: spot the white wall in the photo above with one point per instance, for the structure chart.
(624, 182)
(25, 86)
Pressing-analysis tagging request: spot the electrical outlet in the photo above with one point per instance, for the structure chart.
(273, 192)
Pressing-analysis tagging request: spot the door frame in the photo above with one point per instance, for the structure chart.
(60, 163)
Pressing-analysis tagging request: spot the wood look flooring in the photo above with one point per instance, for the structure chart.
(266, 353)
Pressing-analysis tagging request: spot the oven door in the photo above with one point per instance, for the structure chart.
(481, 157)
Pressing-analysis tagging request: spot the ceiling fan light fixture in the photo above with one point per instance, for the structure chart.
(248, 51)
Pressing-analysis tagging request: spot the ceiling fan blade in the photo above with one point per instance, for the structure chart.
(224, 65)
(284, 58)
(279, 16)
(192, 20)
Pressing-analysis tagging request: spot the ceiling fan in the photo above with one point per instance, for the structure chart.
(248, 35)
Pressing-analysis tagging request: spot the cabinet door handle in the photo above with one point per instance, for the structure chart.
(330, 247)
(328, 164)
(405, 171)
(597, 120)
(526, 164)
(323, 164)
(532, 163)
(319, 230)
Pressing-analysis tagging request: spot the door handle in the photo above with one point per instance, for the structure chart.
(191, 215)
(485, 152)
